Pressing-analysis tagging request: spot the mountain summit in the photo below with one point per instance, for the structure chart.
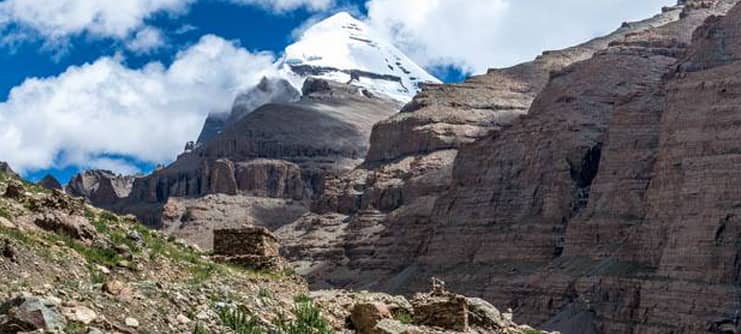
(344, 49)
(340, 49)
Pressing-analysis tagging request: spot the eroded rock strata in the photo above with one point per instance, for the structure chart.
(265, 167)
(609, 208)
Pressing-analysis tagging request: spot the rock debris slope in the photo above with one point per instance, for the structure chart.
(70, 268)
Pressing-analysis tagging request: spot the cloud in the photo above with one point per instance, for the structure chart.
(55, 21)
(89, 113)
(282, 6)
(146, 40)
(481, 34)
(184, 29)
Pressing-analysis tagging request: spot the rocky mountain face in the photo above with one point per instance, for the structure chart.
(410, 163)
(272, 161)
(590, 190)
(101, 187)
(50, 182)
(5, 168)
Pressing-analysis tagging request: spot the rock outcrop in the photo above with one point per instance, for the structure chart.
(50, 182)
(5, 168)
(25, 314)
(279, 151)
(101, 187)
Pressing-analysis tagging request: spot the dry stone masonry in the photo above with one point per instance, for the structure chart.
(254, 247)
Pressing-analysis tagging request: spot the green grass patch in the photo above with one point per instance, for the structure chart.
(74, 327)
(5, 212)
(403, 316)
(534, 331)
(101, 256)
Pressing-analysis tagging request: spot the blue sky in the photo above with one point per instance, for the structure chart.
(84, 58)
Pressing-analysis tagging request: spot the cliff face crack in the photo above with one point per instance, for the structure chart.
(583, 174)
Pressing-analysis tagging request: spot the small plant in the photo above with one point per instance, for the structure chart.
(308, 320)
(534, 331)
(200, 329)
(5, 213)
(96, 276)
(74, 327)
(403, 317)
(240, 322)
(264, 294)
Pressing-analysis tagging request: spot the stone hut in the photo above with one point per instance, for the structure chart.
(254, 247)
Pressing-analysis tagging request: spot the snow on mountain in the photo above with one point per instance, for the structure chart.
(344, 49)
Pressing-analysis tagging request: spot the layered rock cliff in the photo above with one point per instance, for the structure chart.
(266, 167)
(409, 165)
(609, 208)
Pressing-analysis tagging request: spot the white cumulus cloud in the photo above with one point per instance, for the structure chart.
(475, 35)
(56, 20)
(146, 40)
(289, 5)
(89, 113)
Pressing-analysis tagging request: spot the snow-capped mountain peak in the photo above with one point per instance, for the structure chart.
(344, 49)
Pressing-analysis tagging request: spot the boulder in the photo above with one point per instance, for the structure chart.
(15, 190)
(365, 316)
(77, 227)
(23, 314)
(482, 314)
(81, 314)
(444, 310)
(391, 326)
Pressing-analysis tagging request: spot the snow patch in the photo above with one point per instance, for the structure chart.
(344, 49)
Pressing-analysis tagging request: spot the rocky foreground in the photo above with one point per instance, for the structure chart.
(67, 267)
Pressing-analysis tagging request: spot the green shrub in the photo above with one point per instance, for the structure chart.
(403, 317)
(200, 329)
(308, 320)
(240, 322)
